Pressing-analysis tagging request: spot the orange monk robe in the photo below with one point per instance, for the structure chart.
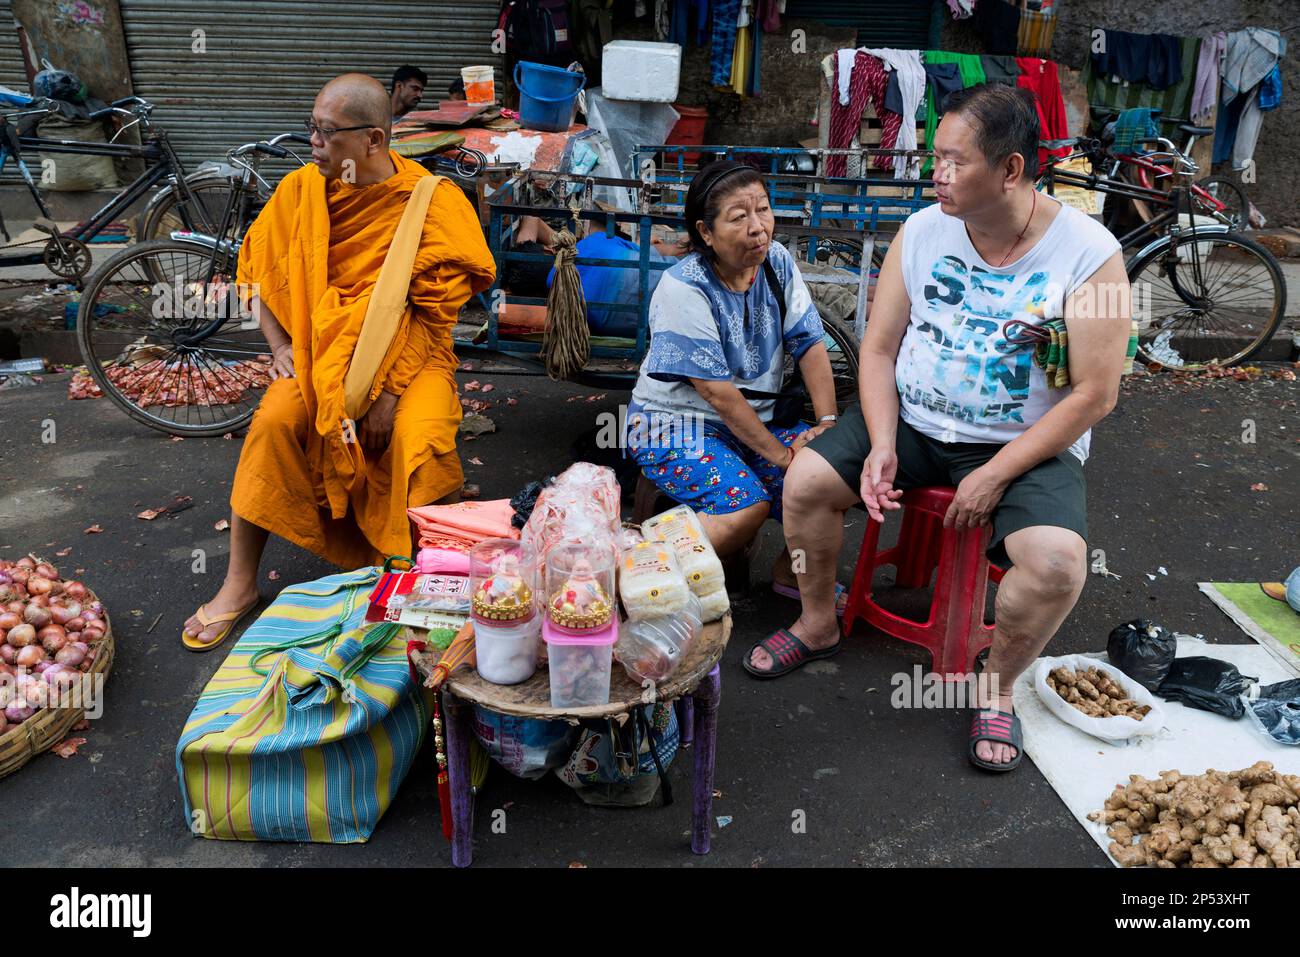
(314, 255)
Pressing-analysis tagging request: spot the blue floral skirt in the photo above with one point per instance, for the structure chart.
(720, 475)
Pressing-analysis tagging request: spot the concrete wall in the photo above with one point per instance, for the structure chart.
(82, 36)
(781, 115)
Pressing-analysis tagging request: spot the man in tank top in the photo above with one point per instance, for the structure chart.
(949, 397)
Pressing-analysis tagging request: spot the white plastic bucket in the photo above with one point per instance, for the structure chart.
(480, 87)
(1203, 250)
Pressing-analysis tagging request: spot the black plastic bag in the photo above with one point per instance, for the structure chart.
(525, 501)
(1208, 684)
(1276, 712)
(1142, 650)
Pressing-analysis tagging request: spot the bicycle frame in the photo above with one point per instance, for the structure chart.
(1206, 198)
(1174, 202)
(161, 163)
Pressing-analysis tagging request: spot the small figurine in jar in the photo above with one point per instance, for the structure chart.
(504, 596)
(581, 602)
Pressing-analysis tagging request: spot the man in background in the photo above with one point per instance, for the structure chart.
(406, 89)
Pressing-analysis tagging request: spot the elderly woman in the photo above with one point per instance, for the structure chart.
(723, 319)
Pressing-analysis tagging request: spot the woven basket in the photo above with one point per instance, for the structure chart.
(49, 726)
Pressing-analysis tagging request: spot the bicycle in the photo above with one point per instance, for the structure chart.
(164, 329)
(66, 254)
(1215, 196)
(1202, 294)
(213, 184)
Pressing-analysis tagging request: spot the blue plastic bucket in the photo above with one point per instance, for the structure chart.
(547, 96)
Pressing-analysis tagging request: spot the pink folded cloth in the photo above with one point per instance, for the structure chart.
(459, 527)
(442, 561)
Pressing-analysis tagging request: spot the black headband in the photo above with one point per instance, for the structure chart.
(714, 173)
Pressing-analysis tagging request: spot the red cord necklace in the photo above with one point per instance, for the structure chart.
(1032, 208)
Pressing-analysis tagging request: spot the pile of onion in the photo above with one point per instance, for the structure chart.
(50, 631)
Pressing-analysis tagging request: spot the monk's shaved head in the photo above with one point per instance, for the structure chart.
(357, 109)
(355, 100)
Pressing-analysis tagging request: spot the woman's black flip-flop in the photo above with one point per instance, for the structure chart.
(1000, 727)
(788, 654)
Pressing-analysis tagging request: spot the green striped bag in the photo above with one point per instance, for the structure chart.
(308, 728)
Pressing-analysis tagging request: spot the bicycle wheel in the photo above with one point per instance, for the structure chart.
(177, 354)
(211, 196)
(1236, 211)
(842, 349)
(845, 253)
(1205, 299)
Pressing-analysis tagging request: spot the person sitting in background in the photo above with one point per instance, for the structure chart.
(406, 90)
(725, 318)
(456, 89)
(599, 283)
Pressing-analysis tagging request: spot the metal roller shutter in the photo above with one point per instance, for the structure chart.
(900, 24)
(12, 72)
(265, 61)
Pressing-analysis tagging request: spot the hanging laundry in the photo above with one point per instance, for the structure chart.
(723, 48)
(1208, 68)
(999, 24)
(689, 23)
(905, 66)
(970, 72)
(740, 61)
(1041, 78)
(1132, 127)
(866, 84)
(1151, 58)
(1250, 56)
(961, 9)
(769, 15)
(663, 20)
(944, 78)
(1270, 89)
(1000, 69)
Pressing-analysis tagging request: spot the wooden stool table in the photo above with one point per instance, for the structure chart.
(696, 685)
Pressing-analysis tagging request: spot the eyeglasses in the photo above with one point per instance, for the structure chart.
(326, 133)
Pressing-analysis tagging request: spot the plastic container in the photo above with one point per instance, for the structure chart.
(503, 583)
(688, 130)
(653, 648)
(480, 85)
(507, 654)
(579, 624)
(548, 96)
(1203, 250)
(641, 70)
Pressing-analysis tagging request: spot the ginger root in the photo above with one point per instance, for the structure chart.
(1246, 818)
(1095, 693)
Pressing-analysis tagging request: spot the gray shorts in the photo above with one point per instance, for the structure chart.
(1051, 493)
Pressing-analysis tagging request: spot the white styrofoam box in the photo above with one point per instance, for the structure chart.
(641, 70)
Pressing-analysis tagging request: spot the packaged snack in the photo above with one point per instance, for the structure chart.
(714, 605)
(695, 556)
(650, 583)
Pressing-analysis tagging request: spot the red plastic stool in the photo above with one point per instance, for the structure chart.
(955, 632)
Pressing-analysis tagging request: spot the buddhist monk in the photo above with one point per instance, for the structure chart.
(336, 486)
